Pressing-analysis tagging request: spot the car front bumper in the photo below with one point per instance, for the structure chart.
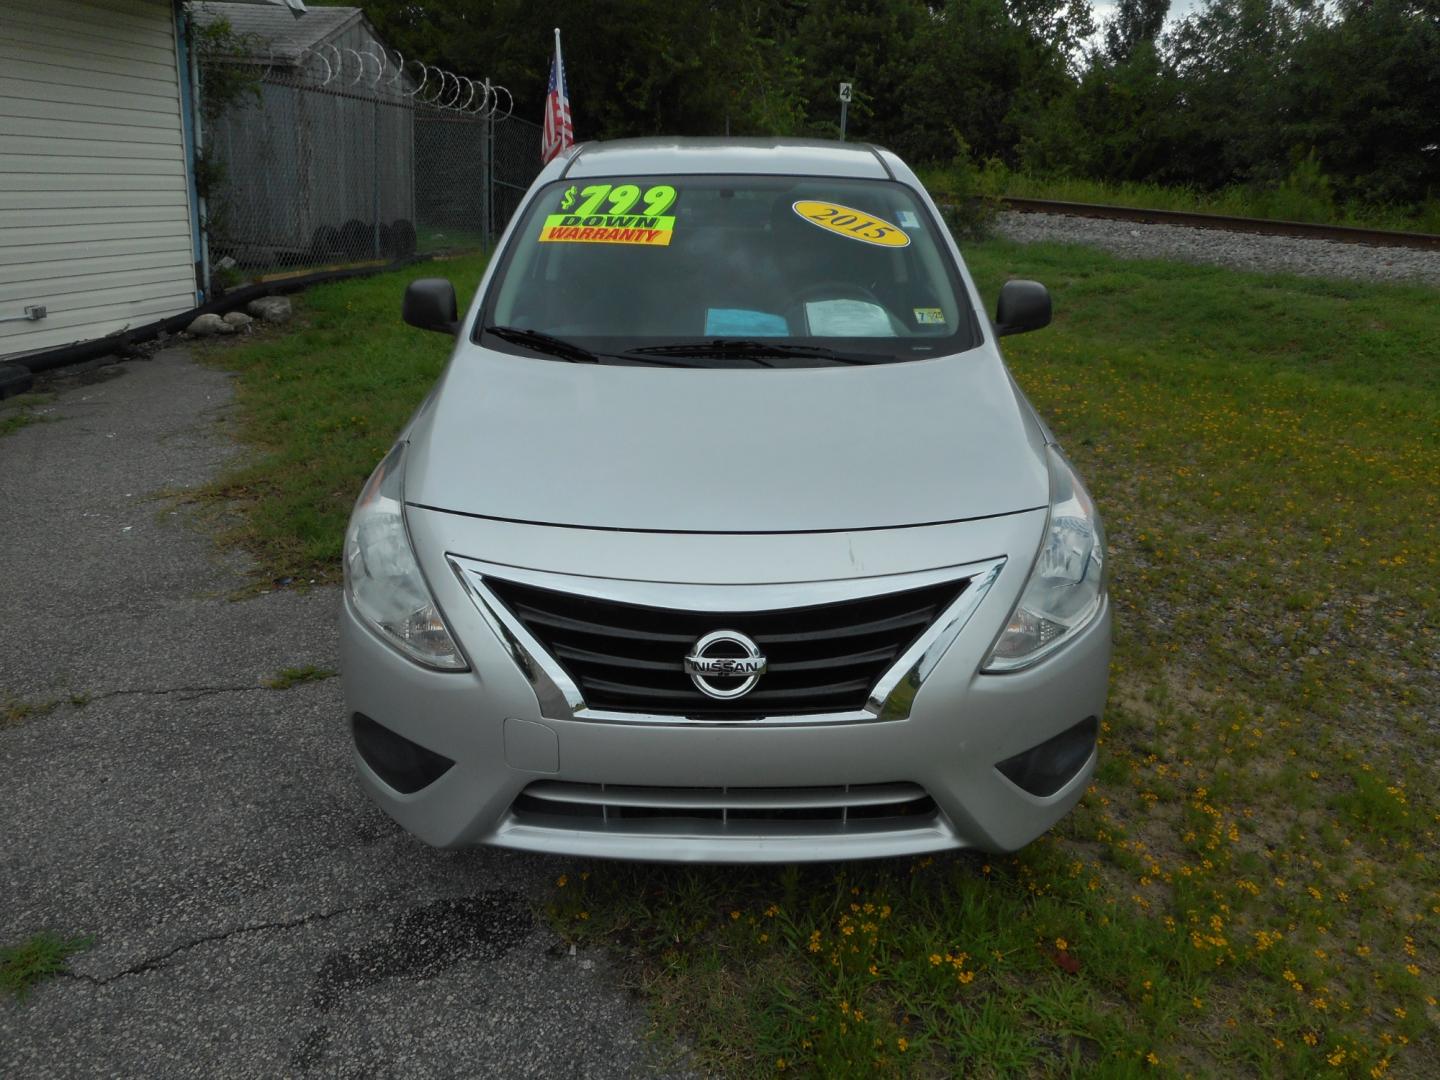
(491, 724)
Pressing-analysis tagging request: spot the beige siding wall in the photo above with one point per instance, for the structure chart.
(94, 204)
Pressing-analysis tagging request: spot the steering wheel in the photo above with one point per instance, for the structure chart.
(832, 290)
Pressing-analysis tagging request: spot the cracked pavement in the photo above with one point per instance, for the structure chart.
(252, 913)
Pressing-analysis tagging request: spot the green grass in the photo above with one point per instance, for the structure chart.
(19, 411)
(450, 240)
(41, 957)
(322, 401)
(1283, 202)
(1250, 885)
(285, 678)
(15, 712)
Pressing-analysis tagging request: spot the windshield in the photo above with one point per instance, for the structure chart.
(730, 270)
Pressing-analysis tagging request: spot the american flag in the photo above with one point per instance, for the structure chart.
(558, 132)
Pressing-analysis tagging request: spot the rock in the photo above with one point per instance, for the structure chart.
(209, 326)
(272, 309)
(238, 319)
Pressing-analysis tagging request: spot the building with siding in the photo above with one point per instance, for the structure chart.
(98, 218)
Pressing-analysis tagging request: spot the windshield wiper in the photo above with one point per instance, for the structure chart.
(756, 350)
(545, 343)
(669, 355)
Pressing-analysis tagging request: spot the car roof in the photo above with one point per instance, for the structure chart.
(675, 155)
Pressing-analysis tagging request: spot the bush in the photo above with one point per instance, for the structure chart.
(967, 203)
(1305, 195)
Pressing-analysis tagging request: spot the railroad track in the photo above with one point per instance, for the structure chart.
(1341, 233)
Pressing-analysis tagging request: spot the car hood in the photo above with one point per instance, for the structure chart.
(731, 450)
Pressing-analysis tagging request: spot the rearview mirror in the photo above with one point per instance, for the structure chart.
(1023, 306)
(430, 305)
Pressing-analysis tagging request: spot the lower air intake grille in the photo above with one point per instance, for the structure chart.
(727, 811)
(821, 659)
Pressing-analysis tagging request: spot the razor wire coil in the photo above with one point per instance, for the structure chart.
(354, 154)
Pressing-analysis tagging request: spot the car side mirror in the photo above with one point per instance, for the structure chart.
(1023, 306)
(430, 305)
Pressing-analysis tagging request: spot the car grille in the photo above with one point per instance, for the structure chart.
(821, 659)
(724, 811)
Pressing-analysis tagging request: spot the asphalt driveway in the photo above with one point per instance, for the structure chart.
(252, 914)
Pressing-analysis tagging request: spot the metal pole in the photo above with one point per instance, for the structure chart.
(375, 179)
(844, 108)
(201, 203)
(488, 143)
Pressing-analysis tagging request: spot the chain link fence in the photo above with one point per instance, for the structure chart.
(323, 162)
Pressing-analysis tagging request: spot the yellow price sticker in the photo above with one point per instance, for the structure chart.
(851, 223)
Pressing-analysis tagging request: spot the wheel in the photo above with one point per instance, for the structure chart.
(325, 244)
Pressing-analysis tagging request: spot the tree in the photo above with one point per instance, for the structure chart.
(1231, 58)
(1135, 22)
(1364, 92)
(1297, 95)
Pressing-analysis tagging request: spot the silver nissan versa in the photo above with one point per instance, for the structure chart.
(726, 535)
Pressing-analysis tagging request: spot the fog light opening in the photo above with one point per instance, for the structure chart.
(1045, 769)
(404, 765)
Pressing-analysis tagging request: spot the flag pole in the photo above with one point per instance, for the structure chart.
(558, 131)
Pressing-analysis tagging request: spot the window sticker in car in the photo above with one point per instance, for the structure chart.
(929, 316)
(850, 223)
(744, 322)
(607, 214)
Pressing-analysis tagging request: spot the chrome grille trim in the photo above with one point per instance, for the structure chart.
(560, 698)
(840, 796)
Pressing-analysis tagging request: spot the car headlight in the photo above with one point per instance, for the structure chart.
(1066, 589)
(382, 578)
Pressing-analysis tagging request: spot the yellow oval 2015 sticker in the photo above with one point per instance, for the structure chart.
(851, 224)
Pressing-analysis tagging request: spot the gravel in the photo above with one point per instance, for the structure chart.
(1239, 251)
